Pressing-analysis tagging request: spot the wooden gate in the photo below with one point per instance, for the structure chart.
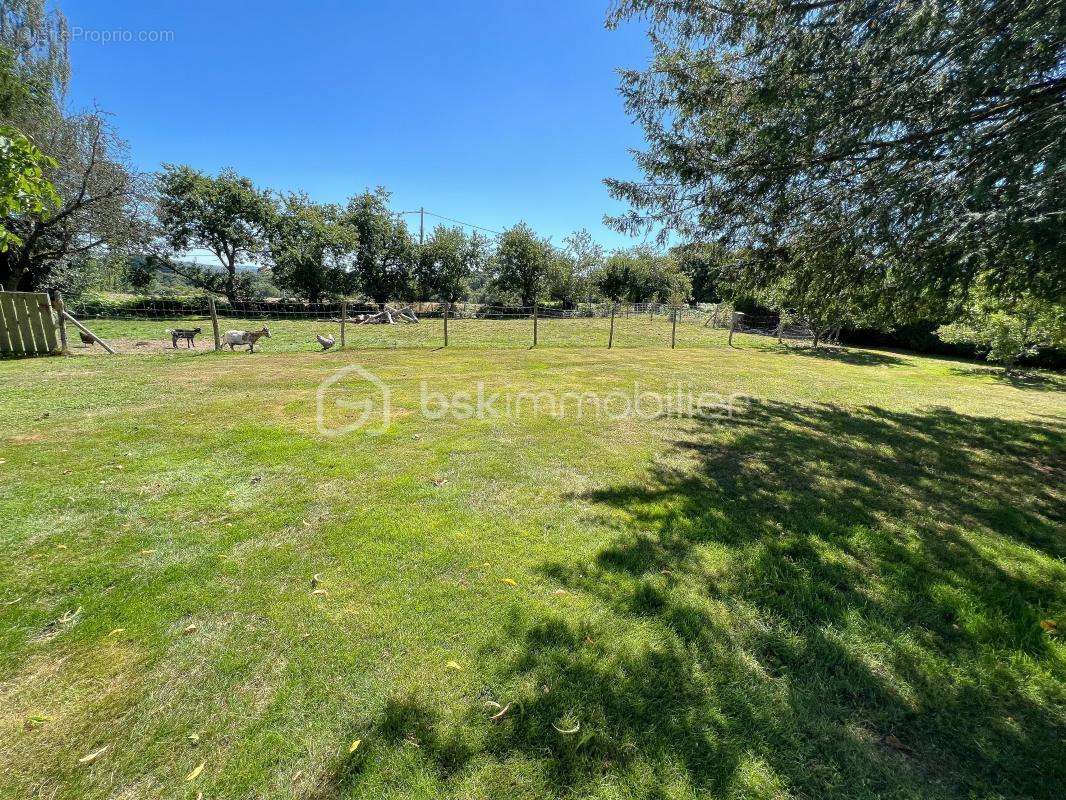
(27, 324)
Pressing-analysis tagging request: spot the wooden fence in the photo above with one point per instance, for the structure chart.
(28, 326)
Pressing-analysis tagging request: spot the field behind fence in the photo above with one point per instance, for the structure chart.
(143, 326)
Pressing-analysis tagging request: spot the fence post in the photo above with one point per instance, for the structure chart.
(447, 306)
(737, 318)
(344, 320)
(214, 320)
(610, 340)
(673, 330)
(534, 324)
(57, 304)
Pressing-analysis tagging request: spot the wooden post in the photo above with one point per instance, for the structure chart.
(673, 330)
(610, 340)
(344, 319)
(57, 304)
(737, 317)
(446, 307)
(214, 320)
(88, 332)
(534, 324)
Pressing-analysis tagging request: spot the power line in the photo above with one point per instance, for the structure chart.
(449, 219)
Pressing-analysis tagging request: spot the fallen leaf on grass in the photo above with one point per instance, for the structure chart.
(116, 631)
(36, 721)
(196, 772)
(500, 714)
(299, 774)
(439, 481)
(318, 592)
(70, 616)
(190, 629)
(147, 552)
(1049, 625)
(560, 592)
(354, 745)
(509, 581)
(89, 759)
(454, 665)
(61, 547)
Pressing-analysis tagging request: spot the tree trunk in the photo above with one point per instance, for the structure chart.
(231, 274)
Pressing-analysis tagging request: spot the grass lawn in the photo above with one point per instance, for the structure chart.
(854, 587)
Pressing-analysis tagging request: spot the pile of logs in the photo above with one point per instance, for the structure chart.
(389, 315)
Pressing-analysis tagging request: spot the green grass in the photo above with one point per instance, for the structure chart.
(638, 331)
(836, 593)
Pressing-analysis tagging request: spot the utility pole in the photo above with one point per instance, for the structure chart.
(421, 224)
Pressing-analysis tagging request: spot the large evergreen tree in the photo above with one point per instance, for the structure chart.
(934, 132)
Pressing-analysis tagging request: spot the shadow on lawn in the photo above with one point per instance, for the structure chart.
(1040, 381)
(822, 602)
(859, 358)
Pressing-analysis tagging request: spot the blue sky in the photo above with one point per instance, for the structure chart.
(490, 112)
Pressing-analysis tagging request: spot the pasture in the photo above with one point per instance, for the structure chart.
(853, 587)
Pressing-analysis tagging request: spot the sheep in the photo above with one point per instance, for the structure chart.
(326, 341)
(234, 338)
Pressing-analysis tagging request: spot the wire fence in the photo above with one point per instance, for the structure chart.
(147, 324)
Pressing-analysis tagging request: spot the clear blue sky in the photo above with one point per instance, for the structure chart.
(490, 111)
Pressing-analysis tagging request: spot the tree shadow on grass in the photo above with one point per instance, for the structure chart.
(833, 603)
(803, 601)
(1040, 381)
(859, 358)
(408, 728)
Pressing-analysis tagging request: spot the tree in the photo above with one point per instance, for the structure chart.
(643, 274)
(98, 208)
(23, 188)
(94, 208)
(34, 58)
(521, 263)
(225, 214)
(447, 262)
(569, 277)
(935, 132)
(312, 253)
(613, 278)
(703, 263)
(385, 257)
(1007, 331)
